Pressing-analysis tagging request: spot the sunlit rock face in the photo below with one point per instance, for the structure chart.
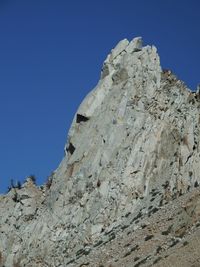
(132, 149)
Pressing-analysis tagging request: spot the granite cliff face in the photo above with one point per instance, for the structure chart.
(127, 191)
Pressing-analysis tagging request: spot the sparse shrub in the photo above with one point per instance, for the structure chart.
(159, 248)
(165, 185)
(167, 232)
(15, 197)
(19, 186)
(11, 185)
(49, 182)
(33, 178)
(185, 243)
(14, 185)
(9, 188)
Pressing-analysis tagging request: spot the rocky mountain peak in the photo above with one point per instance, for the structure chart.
(131, 166)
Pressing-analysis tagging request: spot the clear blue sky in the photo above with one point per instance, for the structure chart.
(51, 53)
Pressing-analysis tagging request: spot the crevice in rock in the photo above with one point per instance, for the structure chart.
(104, 71)
(71, 148)
(80, 118)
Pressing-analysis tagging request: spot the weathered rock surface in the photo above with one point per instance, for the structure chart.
(127, 191)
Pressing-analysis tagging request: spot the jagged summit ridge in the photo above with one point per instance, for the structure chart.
(132, 148)
(120, 65)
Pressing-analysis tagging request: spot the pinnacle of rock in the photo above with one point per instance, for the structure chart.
(127, 190)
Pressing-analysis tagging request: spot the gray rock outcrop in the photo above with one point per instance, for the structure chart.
(132, 150)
